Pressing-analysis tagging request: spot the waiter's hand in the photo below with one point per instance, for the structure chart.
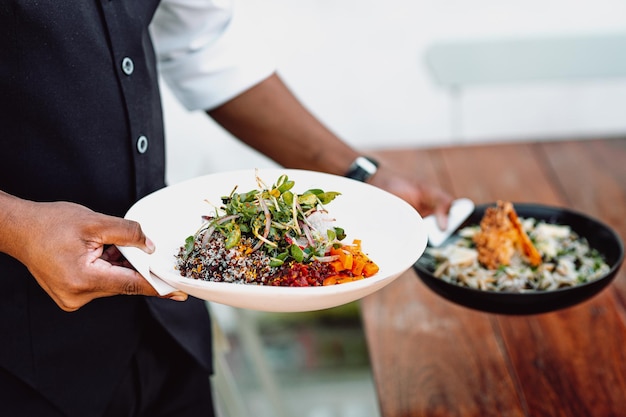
(426, 198)
(63, 246)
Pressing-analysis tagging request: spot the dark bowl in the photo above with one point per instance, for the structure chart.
(599, 236)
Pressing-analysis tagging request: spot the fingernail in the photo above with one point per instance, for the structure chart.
(150, 245)
(442, 221)
(178, 296)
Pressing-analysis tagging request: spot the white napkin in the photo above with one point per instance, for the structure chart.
(459, 212)
(141, 261)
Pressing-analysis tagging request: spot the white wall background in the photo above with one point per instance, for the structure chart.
(358, 65)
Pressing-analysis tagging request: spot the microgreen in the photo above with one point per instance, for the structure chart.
(276, 218)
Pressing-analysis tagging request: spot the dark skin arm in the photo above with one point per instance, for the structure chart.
(270, 119)
(68, 248)
(63, 246)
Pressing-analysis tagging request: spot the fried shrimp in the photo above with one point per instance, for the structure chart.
(501, 235)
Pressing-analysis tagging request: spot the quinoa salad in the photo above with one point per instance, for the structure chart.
(273, 236)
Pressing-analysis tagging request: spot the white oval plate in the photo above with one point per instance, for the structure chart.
(392, 234)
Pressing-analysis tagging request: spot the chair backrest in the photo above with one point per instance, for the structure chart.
(472, 62)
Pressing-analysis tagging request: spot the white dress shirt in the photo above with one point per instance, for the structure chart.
(206, 55)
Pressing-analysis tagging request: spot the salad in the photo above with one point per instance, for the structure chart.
(507, 253)
(273, 236)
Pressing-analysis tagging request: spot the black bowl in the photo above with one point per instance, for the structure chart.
(599, 236)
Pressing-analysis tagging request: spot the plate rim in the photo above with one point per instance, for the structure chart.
(344, 289)
(533, 297)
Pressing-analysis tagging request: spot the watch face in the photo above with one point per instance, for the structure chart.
(362, 168)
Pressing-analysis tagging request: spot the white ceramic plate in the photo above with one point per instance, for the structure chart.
(391, 231)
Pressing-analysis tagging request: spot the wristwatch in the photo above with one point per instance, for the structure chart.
(362, 168)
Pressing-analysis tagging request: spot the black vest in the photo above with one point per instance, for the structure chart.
(78, 89)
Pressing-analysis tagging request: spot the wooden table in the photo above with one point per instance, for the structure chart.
(433, 358)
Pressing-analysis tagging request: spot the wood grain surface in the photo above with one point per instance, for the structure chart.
(433, 358)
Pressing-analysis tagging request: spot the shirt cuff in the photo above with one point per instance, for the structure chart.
(207, 56)
(203, 84)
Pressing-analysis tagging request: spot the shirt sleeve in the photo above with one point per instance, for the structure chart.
(206, 54)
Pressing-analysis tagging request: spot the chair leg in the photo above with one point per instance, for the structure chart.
(253, 346)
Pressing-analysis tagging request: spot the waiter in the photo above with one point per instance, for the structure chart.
(81, 139)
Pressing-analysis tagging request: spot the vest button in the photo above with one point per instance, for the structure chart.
(142, 144)
(128, 66)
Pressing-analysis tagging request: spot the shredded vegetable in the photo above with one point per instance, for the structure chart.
(273, 236)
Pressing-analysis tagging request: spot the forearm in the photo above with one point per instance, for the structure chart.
(12, 224)
(271, 120)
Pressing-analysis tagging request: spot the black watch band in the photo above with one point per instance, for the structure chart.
(362, 168)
